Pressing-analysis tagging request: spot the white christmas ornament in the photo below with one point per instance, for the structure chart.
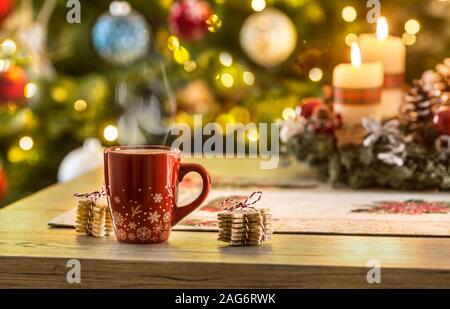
(268, 37)
(81, 160)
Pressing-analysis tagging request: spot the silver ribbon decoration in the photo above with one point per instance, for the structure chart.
(390, 131)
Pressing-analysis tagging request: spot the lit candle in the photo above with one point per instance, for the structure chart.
(357, 89)
(391, 52)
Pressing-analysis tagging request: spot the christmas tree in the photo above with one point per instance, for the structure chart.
(121, 72)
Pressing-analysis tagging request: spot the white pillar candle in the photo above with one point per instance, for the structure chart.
(391, 52)
(357, 89)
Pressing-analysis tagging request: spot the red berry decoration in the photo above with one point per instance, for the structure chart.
(6, 7)
(441, 122)
(3, 184)
(187, 19)
(12, 85)
(308, 107)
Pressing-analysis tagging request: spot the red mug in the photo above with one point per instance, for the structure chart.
(142, 189)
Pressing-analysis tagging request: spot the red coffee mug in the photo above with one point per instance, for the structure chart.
(142, 188)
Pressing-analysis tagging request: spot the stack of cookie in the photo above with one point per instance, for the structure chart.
(245, 227)
(93, 217)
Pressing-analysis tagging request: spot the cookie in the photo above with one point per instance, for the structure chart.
(93, 218)
(248, 227)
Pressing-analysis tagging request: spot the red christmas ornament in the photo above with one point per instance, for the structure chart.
(187, 19)
(3, 184)
(322, 120)
(308, 107)
(12, 85)
(441, 122)
(6, 7)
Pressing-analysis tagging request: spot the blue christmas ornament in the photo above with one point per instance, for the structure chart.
(121, 36)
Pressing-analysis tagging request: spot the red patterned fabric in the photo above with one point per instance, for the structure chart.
(408, 208)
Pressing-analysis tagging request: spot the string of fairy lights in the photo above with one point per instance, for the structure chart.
(181, 55)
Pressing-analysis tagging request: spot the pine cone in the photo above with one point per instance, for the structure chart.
(437, 84)
(426, 98)
(441, 87)
(417, 110)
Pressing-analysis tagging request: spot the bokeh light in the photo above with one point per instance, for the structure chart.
(8, 47)
(408, 39)
(227, 80)
(213, 23)
(173, 43)
(350, 39)
(412, 26)
(110, 133)
(26, 143)
(349, 13)
(249, 78)
(225, 59)
(59, 94)
(80, 105)
(181, 55)
(258, 5)
(190, 66)
(315, 74)
(288, 113)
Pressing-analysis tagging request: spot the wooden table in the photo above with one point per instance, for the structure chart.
(33, 255)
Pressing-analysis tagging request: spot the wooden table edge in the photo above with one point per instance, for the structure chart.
(49, 272)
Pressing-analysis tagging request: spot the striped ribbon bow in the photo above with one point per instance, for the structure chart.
(254, 198)
(93, 196)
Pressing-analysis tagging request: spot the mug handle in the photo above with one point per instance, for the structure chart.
(182, 211)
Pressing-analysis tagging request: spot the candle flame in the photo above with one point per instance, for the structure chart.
(356, 55)
(382, 28)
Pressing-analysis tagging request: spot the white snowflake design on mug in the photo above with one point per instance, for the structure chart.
(158, 198)
(137, 229)
(158, 228)
(167, 217)
(118, 218)
(121, 234)
(154, 217)
(143, 233)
